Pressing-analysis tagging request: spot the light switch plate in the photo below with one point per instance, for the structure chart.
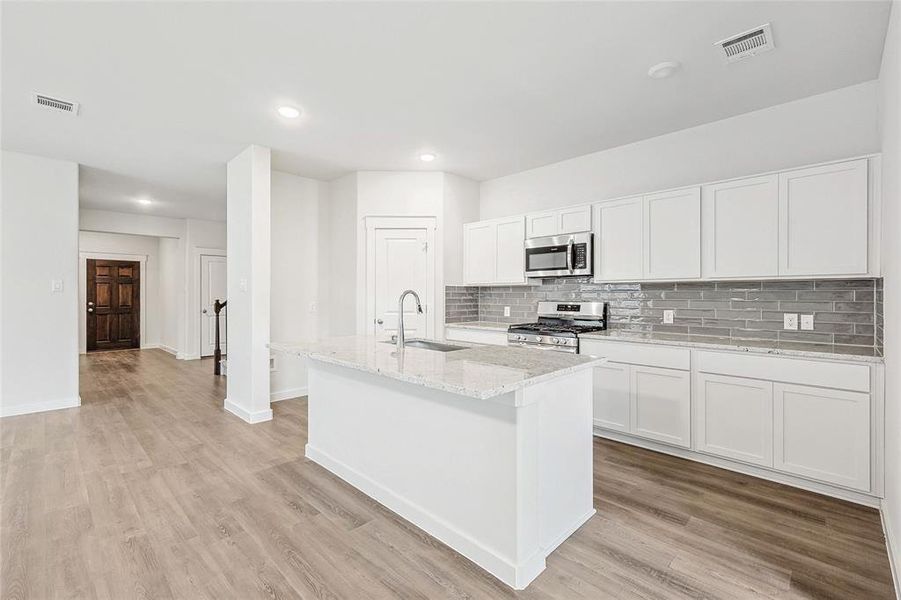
(242, 283)
(790, 320)
(506, 311)
(807, 322)
(668, 317)
(56, 286)
(314, 308)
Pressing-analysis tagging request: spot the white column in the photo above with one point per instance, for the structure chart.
(248, 268)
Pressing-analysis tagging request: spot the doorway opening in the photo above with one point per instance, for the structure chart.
(113, 304)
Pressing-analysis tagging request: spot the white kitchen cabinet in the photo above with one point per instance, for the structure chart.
(823, 434)
(741, 228)
(479, 249)
(823, 220)
(618, 240)
(734, 418)
(493, 252)
(661, 405)
(672, 234)
(541, 224)
(510, 253)
(612, 398)
(574, 218)
(556, 222)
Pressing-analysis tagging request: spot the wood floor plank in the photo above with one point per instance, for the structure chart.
(151, 490)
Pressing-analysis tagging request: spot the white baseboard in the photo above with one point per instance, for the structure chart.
(251, 417)
(517, 576)
(36, 407)
(168, 349)
(890, 547)
(183, 356)
(724, 463)
(288, 394)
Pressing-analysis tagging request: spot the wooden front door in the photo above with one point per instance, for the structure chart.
(114, 304)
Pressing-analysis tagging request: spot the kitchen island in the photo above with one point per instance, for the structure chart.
(488, 449)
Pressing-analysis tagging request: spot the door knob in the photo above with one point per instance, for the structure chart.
(90, 304)
(204, 311)
(90, 310)
(379, 321)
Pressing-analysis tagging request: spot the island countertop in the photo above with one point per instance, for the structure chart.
(480, 372)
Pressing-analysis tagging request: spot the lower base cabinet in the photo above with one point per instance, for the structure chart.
(823, 434)
(661, 405)
(734, 418)
(649, 402)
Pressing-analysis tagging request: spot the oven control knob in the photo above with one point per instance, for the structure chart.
(538, 338)
(558, 341)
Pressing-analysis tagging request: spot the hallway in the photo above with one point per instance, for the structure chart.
(151, 489)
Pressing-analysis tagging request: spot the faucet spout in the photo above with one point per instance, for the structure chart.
(400, 316)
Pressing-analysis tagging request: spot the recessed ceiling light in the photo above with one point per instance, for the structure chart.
(663, 70)
(145, 201)
(289, 112)
(427, 157)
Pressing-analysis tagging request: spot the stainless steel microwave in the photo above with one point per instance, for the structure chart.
(566, 255)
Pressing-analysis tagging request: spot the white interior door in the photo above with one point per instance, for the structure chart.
(402, 259)
(212, 286)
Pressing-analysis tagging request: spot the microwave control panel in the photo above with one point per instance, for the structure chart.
(580, 260)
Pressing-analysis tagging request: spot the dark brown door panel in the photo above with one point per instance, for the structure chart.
(113, 304)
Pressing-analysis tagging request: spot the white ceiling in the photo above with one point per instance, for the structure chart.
(170, 91)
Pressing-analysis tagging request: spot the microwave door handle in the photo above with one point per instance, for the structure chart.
(569, 255)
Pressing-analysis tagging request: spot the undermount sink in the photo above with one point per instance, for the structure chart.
(429, 345)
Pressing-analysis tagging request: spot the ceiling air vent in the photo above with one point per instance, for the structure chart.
(55, 103)
(747, 44)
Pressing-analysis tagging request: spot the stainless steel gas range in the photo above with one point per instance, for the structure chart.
(559, 325)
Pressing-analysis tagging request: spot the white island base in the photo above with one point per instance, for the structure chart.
(503, 480)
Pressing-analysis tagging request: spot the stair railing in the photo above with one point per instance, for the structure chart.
(217, 351)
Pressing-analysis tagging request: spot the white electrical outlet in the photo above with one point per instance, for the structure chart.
(790, 320)
(807, 322)
(668, 317)
(314, 308)
(242, 284)
(506, 311)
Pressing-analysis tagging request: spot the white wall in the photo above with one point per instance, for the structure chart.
(295, 218)
(834, 125)
(461, 205)
(249, 251)
(890, 124)
(341, 254)
(114, 246)
(171, 293)
(39, 223)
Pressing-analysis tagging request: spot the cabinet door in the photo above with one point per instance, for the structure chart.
(672, 234)
(541, 224)
(741, 228)
(576, 218)
(510, 253)
(618, 244)
(823, 434)
(823, 220)
(734, 418)
(479, 252)
(661, 405)
(611, 396)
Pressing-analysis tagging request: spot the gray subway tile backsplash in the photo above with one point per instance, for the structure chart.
(846, 311)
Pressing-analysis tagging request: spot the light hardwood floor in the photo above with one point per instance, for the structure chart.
(151, 490)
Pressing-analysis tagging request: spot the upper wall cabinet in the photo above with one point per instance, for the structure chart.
(618, 240)
(672, 234)
(823, 224)
(651, 237)
(741, 228)
(493, 252)
(554, 222)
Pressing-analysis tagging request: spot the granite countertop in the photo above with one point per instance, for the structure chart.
(483, 325)
(480, 372)
(709, 342)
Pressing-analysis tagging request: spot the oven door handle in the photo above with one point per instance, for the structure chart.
(569, 254)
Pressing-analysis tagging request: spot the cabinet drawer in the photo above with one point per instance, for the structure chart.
(496, 338)
(638, 354)
(789, 370)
